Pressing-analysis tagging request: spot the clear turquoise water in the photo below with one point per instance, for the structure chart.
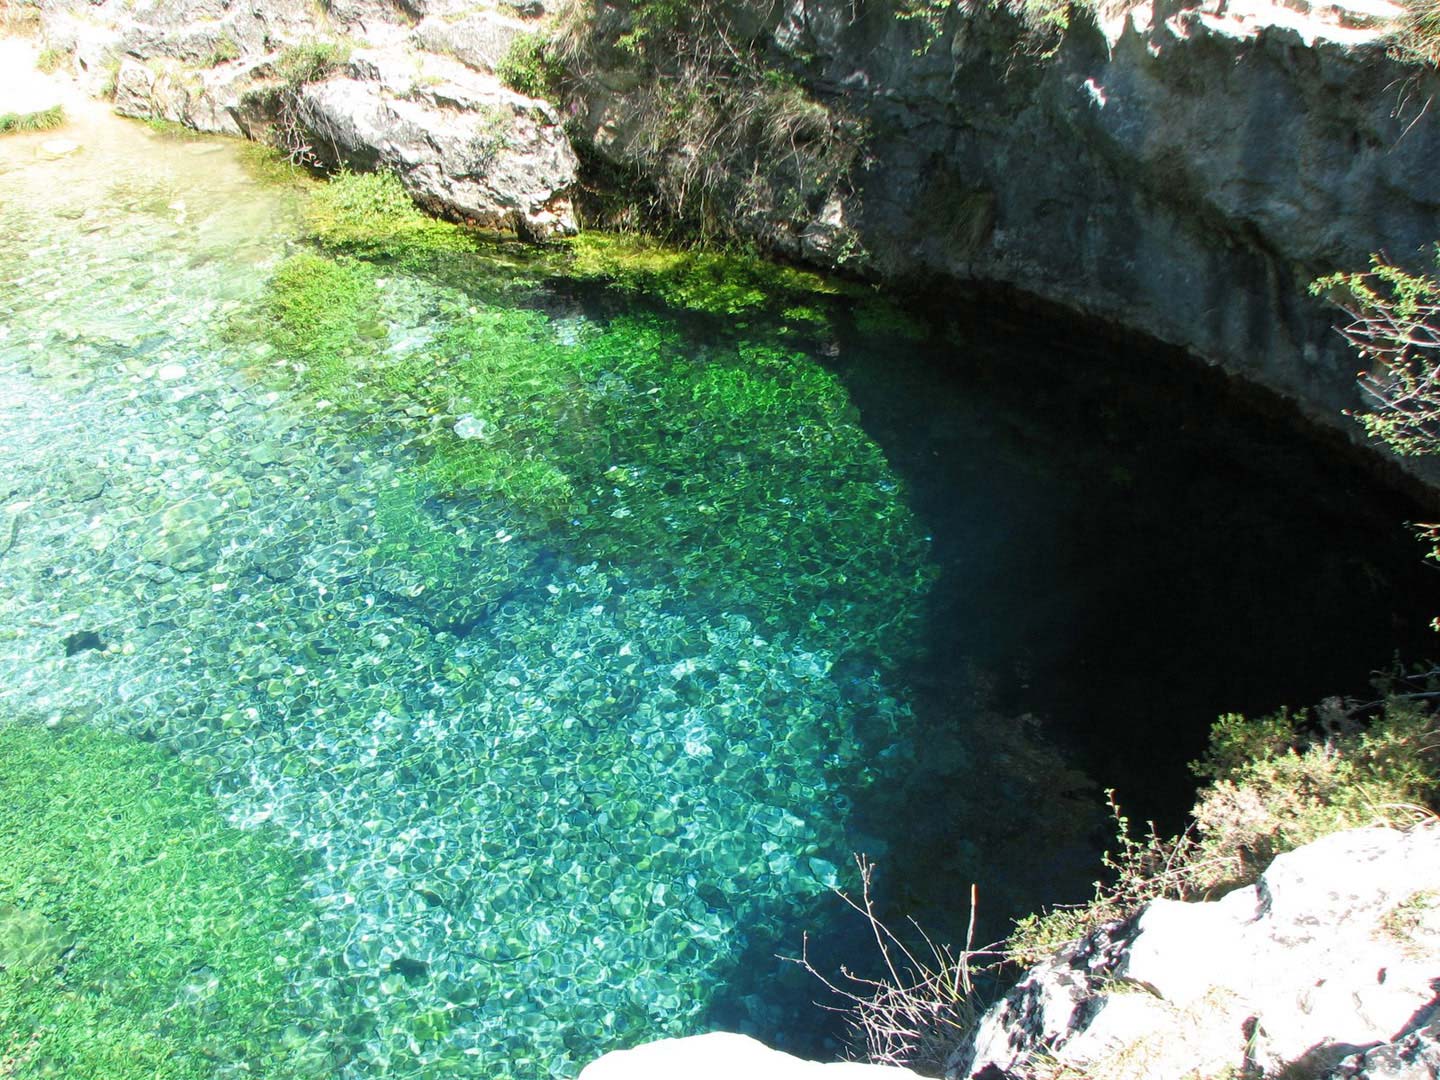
(549, 801)
(560, 790)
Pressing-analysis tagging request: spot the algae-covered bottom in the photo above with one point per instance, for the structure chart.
(561, 641)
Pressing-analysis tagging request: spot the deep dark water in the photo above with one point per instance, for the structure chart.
(1130, 545)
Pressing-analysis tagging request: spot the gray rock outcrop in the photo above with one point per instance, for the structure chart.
(464, 145)
(1184, 173)
(1330, 961)
(478, 39)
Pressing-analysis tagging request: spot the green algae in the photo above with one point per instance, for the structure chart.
(157, 937)
(268, 165)
(372, 215)
(716, 282)
(738, 471)
(319, 316)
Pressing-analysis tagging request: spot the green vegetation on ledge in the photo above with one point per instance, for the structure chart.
(529, 68)
(716, 282)
(1275, 784)
(140, 935)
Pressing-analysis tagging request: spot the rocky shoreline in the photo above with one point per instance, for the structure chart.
(1324, 969)
(375, 96)
(1178, 171)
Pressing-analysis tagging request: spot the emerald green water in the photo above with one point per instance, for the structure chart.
(571, 643)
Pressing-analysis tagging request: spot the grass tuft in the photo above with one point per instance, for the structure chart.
(311, 61)
(43, 120)
(51, 59)
(1416, 40)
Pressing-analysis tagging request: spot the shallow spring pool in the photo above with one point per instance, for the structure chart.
(577, 677)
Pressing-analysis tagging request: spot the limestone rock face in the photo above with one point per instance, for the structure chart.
(1329, 961)
(723, 1056)
(464, 145)
(1183, 170)
(461, 143)
(478, 39)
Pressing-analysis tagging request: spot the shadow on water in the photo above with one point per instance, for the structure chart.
(1129, 546)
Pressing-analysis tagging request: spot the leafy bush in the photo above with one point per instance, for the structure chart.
(1395, 326)
(140, 935)
(1304, 787)
(530, 68)
(1276, 783)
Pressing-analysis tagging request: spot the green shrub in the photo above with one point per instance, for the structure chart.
(141, 937)
(1395, 323)
(529, 67)
(226, 49)
(1276, 783)
(310, 61)
(372, 215)
(43, 120)
(1290, 792)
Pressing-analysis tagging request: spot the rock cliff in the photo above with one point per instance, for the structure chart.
(1185, 173)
